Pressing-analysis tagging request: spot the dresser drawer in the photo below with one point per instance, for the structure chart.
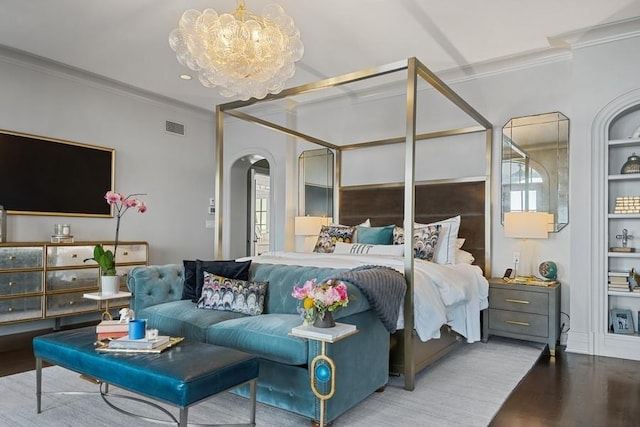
(19, 283)
(81, 278)
(69, 256)
(524, 301)
(21, 257)
(71, 303)
(17, 309)
(519, 323)
(127, 254)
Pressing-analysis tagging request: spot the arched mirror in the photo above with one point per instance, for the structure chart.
(315, 184)
(535, 166)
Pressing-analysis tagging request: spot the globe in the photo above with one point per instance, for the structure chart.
(548, 270)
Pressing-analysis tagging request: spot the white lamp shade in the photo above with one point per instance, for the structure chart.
(310, 225)
(526, 225)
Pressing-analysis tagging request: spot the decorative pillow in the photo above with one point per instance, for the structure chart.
(227, 268)
(240, 296)
(398, 235)
(375, 235)
(366, 249)
(330, 235)
(189, 286)
(459, 243)
(425, 240)
(464, 257)
(447, 240)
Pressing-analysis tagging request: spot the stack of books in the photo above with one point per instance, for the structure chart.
(112, 329)
(618, 281)
(627, 204)
(125, 343)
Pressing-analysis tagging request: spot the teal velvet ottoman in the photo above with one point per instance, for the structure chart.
(180, 376)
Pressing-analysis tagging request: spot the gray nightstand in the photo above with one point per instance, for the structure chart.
(524, 312)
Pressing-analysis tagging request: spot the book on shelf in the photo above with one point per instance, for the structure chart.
(112, 326)
(112, 335)
(618, 274)
(324, 334)
(619, 280)
(140, 344)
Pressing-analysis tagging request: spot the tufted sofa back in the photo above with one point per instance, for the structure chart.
(158, 283)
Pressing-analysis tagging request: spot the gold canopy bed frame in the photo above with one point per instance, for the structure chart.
(409, 354)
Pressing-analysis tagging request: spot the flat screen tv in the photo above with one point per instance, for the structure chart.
(46, 176)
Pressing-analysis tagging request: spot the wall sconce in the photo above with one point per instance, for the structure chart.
(309, 227)
(526, 225)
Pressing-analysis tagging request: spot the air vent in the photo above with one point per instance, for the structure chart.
(173, 127)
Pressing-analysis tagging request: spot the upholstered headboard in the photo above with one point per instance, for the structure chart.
(384, 205)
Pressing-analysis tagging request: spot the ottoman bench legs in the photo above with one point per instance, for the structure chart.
(182, 421)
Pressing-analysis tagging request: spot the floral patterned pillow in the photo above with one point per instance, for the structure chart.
(240, 296)
(330, 234)
(425, 240)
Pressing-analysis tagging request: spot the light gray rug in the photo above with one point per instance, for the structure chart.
(466, 388)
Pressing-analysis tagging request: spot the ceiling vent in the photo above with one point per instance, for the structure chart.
(173, 127)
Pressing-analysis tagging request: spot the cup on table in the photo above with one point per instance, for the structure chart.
(137, 329)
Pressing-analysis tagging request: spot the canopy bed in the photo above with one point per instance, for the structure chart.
(405, 203)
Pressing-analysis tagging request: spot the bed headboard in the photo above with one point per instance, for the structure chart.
(384, 205)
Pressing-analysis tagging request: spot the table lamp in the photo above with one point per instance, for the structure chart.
(525, 225)
(309, 227)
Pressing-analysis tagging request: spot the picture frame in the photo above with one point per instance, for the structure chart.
(622, 321)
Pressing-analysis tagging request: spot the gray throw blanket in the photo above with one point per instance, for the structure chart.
(384, 288)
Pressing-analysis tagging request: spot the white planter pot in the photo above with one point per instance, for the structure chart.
(109, 285)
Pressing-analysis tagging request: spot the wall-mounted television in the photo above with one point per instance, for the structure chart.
(47, 176)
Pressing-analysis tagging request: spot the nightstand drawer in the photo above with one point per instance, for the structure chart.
(519, 323)
(527, 302)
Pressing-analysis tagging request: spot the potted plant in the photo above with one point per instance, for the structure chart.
(106, 259)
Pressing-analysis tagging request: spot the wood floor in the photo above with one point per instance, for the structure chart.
(568, 390)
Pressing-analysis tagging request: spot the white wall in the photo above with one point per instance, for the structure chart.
(176, 172)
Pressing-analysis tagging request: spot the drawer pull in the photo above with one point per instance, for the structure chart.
(125, 253)
(12, 257)
(517, 301)
(514, 322)
(74, 255)
(73, 279)
(12, 283)
(10, 309)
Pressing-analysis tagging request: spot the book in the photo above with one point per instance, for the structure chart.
(324, 334)
(141, 344)
(112, 335)
(619, 280)
(103, 347)
(112, 326)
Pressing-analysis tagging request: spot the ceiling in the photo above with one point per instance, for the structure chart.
(126, 40)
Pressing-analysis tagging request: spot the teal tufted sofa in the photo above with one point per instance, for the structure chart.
(361, 360)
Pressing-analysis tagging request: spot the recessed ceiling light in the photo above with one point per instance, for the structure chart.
(185, 76)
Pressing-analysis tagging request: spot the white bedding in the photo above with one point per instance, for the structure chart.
(450, 294)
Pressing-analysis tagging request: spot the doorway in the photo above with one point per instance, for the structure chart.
(259, 208)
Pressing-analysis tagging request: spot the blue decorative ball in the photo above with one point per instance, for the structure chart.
(323, 373)
(548, 270)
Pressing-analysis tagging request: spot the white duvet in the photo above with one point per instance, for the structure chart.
(443, 294)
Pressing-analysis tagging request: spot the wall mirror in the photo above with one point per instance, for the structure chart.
(315, 183)
(535, 166)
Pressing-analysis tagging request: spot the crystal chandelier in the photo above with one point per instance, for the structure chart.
(240, 53)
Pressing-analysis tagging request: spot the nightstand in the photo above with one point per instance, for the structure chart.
(521, 311)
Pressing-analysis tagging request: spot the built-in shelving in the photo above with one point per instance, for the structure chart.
(621, 144)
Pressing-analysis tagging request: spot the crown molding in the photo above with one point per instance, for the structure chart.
(600, 34)
(24, 59)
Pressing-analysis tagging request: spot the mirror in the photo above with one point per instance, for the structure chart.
(315, 183)
(535, 166)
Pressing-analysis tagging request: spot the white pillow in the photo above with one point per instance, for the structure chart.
(367, 249)
(459, 242)
(447, 240)
(464, 257)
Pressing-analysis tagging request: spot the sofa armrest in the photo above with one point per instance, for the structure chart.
(155, 284)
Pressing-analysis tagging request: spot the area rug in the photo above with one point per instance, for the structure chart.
(466, 388)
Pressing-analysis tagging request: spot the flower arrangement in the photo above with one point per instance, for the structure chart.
(318, 298)
(107, 259)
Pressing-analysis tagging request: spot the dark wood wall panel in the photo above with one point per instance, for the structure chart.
(433, 202)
